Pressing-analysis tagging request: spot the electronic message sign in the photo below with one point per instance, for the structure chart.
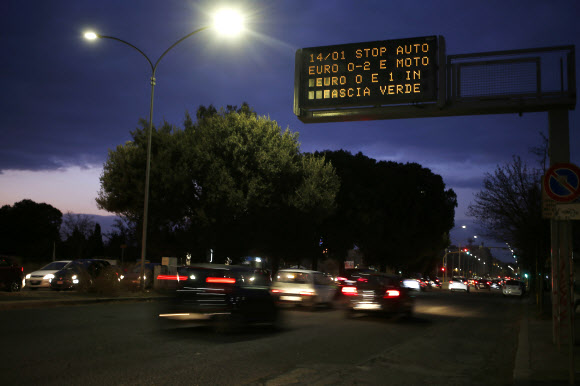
(375, 73)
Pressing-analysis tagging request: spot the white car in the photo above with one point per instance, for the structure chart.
(412, 284)
(513, 287)
(41, 278)
(303, 287)
(458, 284)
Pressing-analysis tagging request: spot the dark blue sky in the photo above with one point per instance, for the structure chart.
(66, 101)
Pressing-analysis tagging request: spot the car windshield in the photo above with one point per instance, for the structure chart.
(54, 266)
(292, 277)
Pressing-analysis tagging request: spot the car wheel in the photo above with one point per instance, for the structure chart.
(14, 287)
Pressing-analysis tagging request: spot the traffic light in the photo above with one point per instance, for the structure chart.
(442, 269)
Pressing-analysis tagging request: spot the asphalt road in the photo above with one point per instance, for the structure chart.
(454, 339)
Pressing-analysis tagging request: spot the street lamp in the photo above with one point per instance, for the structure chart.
(228, 22)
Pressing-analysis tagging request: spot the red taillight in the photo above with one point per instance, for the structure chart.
(392, 294)
(22, 269)
(362, 279)
(340, 278)
(171, 277)
(351, 291)
(306, 293)
(220, 280)
(275, 291)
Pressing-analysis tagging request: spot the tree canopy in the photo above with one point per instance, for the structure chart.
(397, 214)
(231, 181)
(29, 229)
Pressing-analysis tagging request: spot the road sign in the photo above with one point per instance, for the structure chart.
(562, 182)
(367, 74)
(567, 212)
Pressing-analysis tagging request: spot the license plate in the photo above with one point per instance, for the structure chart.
(59, 282)
(291, 298)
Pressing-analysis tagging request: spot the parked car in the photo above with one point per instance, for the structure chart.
(132, 278)
(228, 297)
(41, 277)
(458, 284)
(85, 275)
(303, 287)
(513, 287)
(378, 293)
(11, 275)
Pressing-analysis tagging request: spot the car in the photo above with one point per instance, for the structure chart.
(41, 277)
(412, 284)
(513, 288)
(496, 284)
(228, 297)
(482, 284)
(132, 278)
(85, 275)
(458, 284)
(301, 287)
(378, 294)
(11, 275)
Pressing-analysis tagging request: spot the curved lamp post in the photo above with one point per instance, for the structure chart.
(226, 21)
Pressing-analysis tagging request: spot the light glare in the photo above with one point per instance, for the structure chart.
(90, 35)
(228, 22)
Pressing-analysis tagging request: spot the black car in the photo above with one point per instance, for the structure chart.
(483, 284)
(226, 296)
(378, 293)
(11, 275)
(85, 275)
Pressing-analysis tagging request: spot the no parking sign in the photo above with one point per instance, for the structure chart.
(562, 182)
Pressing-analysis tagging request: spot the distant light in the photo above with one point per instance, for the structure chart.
(90, 35)
(464, 226)
(258, 260)
(228, 22)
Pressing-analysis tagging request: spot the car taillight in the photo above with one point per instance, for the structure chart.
(392, 294)
(307, 293)
(340, 278)
(220, 280)
(275, 291)
(362, 279)
(171, 277)
(350, 291)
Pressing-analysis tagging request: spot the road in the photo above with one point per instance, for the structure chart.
(453, 339)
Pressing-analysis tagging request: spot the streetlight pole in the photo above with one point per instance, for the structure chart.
(226, 20)
(149, 134)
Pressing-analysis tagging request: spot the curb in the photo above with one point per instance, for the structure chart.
(522, 371)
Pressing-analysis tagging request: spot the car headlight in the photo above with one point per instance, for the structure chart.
(75, 279)
(50, 276)
(28, 276)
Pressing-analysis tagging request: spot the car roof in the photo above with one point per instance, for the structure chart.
(299, 270)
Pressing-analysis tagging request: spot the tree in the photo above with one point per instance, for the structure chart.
(76, 230)
(509, 208)
(230, 181)
(397, 214)
(29, 229)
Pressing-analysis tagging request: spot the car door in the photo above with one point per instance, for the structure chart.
(324, 287)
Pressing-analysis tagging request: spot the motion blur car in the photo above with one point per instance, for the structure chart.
(132, 278)
(303, 287)
(458, 284)
(482, 284)
(11, 275)
(378, 293)
(41, 277)
(513, 288)
(226, 296)
(84, 275)
(412, 284)
(496, 284)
